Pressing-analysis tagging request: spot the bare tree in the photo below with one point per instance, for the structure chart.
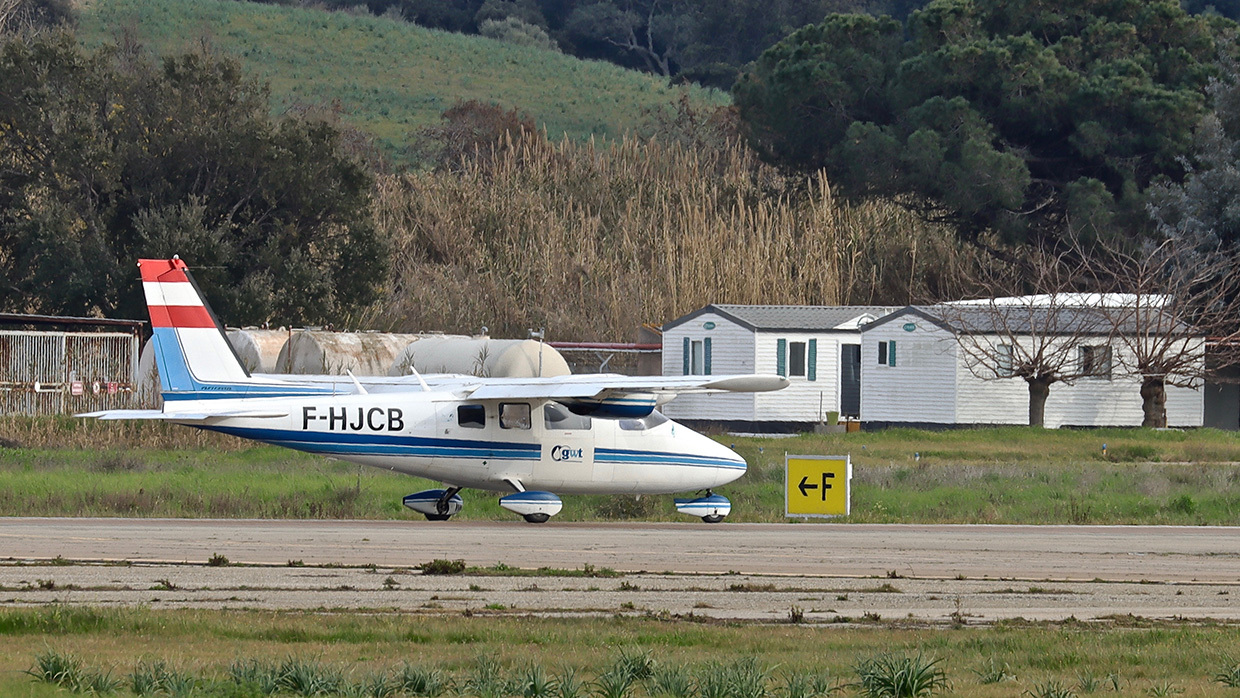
(1180, 305)
(1050, 336)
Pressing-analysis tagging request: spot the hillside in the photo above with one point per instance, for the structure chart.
(390, 77)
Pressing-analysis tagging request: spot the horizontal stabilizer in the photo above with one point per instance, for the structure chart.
(113, 415)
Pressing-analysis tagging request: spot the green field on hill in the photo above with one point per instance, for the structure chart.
(390, 77)
(1012, 475)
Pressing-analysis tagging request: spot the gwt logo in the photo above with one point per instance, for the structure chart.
(564, 453)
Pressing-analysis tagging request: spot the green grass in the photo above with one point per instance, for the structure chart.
(475, 651)
(392, 78)
(1010, 475)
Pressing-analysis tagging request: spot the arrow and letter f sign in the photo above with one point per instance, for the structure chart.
(817, 485)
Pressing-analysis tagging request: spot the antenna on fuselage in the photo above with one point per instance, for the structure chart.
(361, 390)
(421, 381)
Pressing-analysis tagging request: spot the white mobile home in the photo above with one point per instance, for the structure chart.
(915, 372)
(818, 348)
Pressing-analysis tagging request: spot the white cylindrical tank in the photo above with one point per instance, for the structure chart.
(480, 356)
(317, 352)
(258, 350)
(147, 386)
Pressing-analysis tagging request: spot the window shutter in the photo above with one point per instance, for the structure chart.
(685, 371)
(781, 355)
(706, 356)
(891, 353)
(811, 370)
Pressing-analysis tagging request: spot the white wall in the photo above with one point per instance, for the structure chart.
(732, 352)
(1086, 402)
(921, 387)
(803, 400)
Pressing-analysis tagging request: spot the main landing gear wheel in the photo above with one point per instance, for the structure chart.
(713, 518)
(537, 518)
(436, 505)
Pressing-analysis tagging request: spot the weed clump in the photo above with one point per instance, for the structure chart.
(439, 566)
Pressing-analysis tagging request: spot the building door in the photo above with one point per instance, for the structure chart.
(850, 380)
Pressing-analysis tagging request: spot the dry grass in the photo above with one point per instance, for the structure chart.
(100, 436)
(591, 240)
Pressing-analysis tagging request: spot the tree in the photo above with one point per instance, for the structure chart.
(1035, 120)
(1181, 308)
(107, 157)
(1201, 213)
(1037, 338)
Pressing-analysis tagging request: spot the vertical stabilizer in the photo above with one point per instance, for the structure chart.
(191, 349)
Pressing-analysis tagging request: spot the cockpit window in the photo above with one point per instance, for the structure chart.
(472, 416)
(557, 416)
(650, 421)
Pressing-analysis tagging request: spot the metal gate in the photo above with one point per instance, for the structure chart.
(49, 373)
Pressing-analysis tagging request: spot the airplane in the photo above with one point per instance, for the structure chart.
(535, 438)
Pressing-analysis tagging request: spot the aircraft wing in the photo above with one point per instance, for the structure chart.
(604, 384)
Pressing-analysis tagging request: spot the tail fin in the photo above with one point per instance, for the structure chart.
(191, 350)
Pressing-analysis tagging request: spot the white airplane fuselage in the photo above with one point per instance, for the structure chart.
(499, 445)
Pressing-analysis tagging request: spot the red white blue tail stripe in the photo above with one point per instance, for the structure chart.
(195, 359)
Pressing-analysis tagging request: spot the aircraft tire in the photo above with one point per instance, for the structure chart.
(437, 517)
(537, 518)
(713, 518)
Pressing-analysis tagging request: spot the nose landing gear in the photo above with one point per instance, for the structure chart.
(712, 508)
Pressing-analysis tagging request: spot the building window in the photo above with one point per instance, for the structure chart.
(514, 415)
(696, 357)
(887, 353)
(1096, 360)
(471, 416)
(796, 358)
(1003, 361)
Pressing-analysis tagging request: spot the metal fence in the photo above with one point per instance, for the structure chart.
(49, 373)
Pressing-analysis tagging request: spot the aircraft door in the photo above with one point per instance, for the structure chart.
(567, 448)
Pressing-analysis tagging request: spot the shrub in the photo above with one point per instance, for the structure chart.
(901, 676)
(635, 663)
(1050, 689)
(613, 684)
(421, 681)
(217, 560)
(535, 683)
(672, 681)
(1229, 675)
(991, 672)
(439, 566)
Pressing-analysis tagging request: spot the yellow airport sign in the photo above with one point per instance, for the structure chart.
(817, 485)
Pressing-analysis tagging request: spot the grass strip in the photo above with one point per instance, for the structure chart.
(1003, 660)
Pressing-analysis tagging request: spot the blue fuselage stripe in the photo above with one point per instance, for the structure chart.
(346, 444)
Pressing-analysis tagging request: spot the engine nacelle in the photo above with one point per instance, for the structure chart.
(622, 406)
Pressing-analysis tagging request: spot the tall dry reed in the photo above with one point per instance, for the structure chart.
(592, 240)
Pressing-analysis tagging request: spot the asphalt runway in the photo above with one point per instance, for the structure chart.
(831, 573)
(1065, 553)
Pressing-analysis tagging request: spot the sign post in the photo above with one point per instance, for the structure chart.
(817, 486)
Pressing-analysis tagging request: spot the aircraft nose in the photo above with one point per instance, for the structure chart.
(731, 464)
